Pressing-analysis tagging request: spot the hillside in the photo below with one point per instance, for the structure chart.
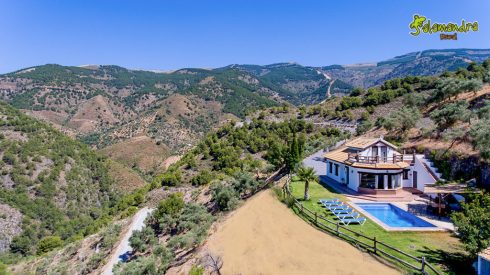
(164, 114)
(429, 114)
(429, 62)
(444, 116)
(295, 83)
(52, 189)
(230, 164)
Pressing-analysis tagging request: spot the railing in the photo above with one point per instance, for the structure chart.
(380, 159)
(370, 243)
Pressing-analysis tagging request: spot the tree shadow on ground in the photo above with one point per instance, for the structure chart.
(457, 263)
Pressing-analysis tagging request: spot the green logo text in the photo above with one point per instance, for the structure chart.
(422, 24)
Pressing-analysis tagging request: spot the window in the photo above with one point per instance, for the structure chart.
(336, 169)
(367, 180)
(405, 174)
(330, 167)
(381, 181)
(384, 153)
(375, 151)
(390, 181)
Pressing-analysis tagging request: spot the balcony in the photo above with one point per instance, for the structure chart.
(379, 159)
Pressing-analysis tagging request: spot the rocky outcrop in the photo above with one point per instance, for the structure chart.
(10, 225)
(456, 167)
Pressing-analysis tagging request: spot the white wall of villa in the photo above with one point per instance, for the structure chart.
(379, 149)
(352, 179)
(423, 176)
(336, 171)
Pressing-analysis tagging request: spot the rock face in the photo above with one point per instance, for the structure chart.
(466, 168)
(10, 221)
(471, 167)
(485, 175)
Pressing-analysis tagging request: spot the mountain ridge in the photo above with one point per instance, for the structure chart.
(103, 105)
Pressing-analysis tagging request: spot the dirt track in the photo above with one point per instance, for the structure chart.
(264, 237)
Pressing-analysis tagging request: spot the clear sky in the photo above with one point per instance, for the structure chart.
(168, 35)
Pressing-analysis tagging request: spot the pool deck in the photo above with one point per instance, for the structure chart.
(416, 205)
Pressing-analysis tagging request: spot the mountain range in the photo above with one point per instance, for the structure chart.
(142, 117)
(55, 190)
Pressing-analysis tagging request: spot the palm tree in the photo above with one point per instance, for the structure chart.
(307, 174)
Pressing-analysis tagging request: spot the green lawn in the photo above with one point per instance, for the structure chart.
(441, 249)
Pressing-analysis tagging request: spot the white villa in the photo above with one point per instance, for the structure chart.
(374, 166)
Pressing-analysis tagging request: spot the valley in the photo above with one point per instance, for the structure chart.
(84, 148)
(110, 107)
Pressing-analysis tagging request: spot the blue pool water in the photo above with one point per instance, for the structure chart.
(393, 216)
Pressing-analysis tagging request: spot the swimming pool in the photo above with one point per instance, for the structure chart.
(393, 216)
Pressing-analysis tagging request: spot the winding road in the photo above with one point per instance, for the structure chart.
(123, 249)
(327, 77)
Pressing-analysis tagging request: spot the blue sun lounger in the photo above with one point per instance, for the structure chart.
(342, 211)
(329, 200)
(360, 221)
(351, 215)
(338, 207)
(332, 203)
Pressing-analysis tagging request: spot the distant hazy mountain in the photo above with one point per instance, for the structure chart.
(429, 62)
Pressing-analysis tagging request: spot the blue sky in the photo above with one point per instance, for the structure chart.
(175, 34)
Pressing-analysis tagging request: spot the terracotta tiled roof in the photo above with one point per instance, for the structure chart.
(363, 143)
(339, 155)
(342, 155)
(397, 165)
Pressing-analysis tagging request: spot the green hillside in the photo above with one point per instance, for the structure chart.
(61, 188)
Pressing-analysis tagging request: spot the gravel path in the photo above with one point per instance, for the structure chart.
(123, 250)
(317, 162)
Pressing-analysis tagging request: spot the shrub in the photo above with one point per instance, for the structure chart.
(224, 197)
(414, 100)
(278, 192)
(9, 158)
(363, 127)
(172, 205)
(21, 244)
(142, 239)
(349, 102)
(289, 200)
(356, 92)
(93, 262)
(3, 269)
(48, 243)
(196, 270)
(365, 115)
(449, 114)
(480, 133)
(473, 223)
(171, 178)
(204, 177)
(370, 109)
(402, 120)
(110, 236)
